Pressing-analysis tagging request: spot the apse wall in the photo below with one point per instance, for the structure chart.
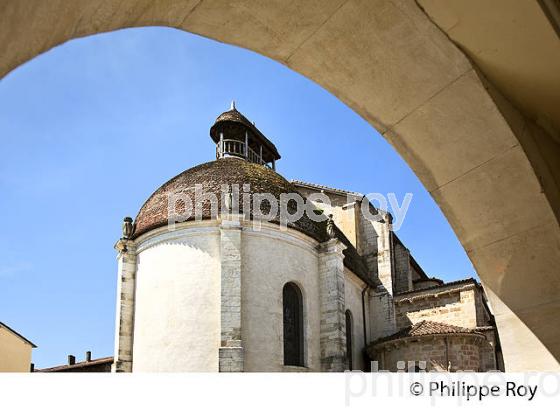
(270, 259)
(177, 318)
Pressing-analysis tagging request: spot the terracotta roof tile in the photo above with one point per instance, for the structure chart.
(211, 176)
(77, 366)
(229, 171)
(443, 285)
(297, 182)
(427, 328)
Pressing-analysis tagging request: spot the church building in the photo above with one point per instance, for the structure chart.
(227, 290)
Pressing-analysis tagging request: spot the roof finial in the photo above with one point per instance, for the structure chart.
(232, 105)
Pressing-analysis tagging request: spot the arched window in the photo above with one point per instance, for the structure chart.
(349, 346)
(293, 325)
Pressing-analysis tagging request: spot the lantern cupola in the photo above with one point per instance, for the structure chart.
(236, 136)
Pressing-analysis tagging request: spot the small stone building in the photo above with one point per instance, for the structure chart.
(209, 281)
(449, 309)
(433, 346)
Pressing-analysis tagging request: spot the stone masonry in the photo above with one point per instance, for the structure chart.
(382, 314)
(332, 306)
(439, 353)
(231, 348)
(124, 332)
(391, 292)
(403, 277)
(453, 306)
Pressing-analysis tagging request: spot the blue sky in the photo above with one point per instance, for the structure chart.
(90, 129)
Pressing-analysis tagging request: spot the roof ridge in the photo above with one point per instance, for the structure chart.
(442, 324)
(427, 328)
(78, 365)
(5, 326)
(417, 325)
(313, 185)
(452, 283)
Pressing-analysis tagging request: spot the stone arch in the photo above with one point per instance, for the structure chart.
(491, 169)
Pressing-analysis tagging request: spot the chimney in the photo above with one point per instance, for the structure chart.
(88, 356)
(71, 360)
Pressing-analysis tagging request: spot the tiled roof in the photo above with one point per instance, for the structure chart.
(211, 176)
(443, 285)
(79, 365)
(230, 171)
(325, 188)
(427, 328)
(440, 281)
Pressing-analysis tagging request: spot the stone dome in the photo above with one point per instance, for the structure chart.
(212, 175)
(230, 171)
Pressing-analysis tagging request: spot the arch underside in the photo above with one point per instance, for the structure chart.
(489, 167)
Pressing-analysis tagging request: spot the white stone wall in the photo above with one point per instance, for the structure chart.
(353, 287)
(332, 306)
(384, 257)
(382, 315)
(124, 312)
(177, 318)
(178, 298)
(368, 245)
(403, 273)
(231, 345)
(270, 259)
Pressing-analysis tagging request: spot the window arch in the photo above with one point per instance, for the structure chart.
(349, 341)
(292, 302)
